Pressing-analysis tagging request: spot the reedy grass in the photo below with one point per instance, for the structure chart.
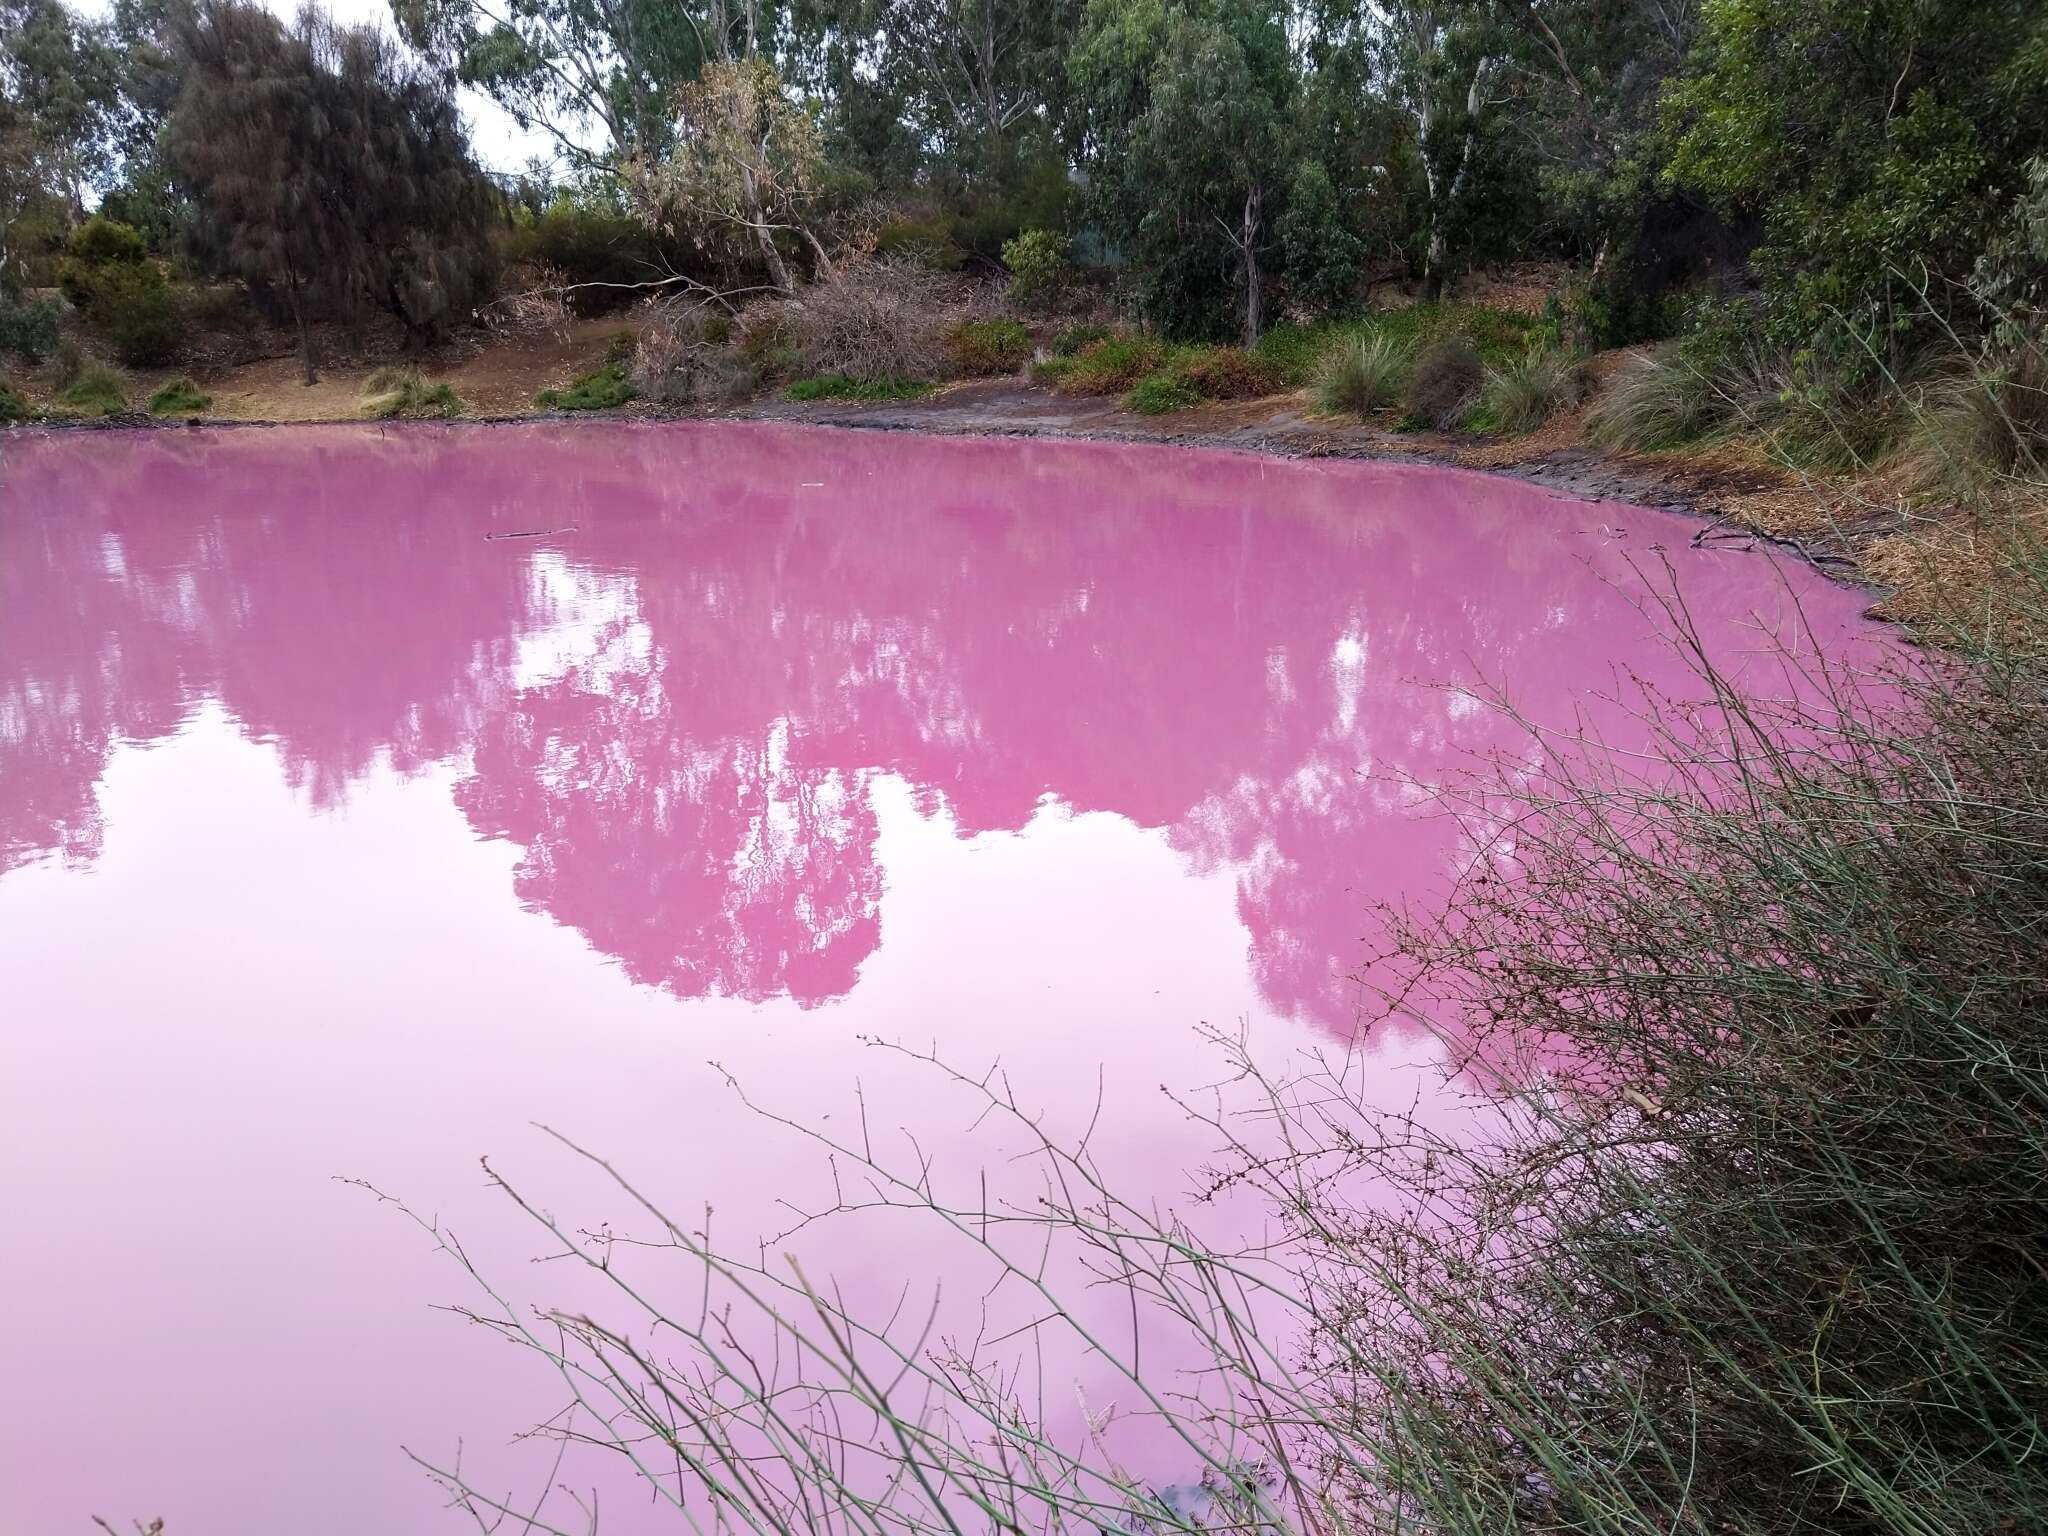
(1753, 1244)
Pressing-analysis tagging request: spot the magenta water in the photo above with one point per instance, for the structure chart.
(369, 797)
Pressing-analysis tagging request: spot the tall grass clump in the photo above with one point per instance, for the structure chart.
(403, 393)
(97, 391)
(1522, 394)
(1751, 1241)
(179, 397)
(13, 405)
(1360, 375)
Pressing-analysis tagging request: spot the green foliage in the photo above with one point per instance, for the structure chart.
(1191, 375)
(28, 327)
(13, 407)
(139, 313)
(1106, 367)
(1041, 267)
(1877, 142)
(840, 386)
(1071, 339)
(925, 239)
(100, 240)
(96, 392)
(600, 390)
(590, 243)
(1660, 400)
(1188, 112)
(1444, 383)
(1161, 392)
(180, 397)
(1319, 255)
(983, 347)
(1361, 374)
(1520, 395)
(403, 394)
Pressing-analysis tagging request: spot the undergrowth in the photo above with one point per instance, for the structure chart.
(600, 390)
(402, 393)
(840, 386)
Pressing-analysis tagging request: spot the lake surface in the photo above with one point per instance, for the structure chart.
(369, 798)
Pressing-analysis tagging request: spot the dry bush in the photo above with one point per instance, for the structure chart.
(533, 299)
(873, 319)
(684, 355)
(1444, 383)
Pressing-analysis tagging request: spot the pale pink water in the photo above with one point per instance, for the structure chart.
(338, 837)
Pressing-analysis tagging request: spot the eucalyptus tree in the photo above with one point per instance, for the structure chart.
(599, 77)
(60, 92)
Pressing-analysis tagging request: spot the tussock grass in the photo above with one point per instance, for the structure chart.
(403, 393)
(1524, 393)
(14, 405)
(1361, 374)
(97, 391)
(179, 397)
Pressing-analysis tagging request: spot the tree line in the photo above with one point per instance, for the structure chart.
(1846, 165)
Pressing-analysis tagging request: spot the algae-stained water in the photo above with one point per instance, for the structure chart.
(369, 797)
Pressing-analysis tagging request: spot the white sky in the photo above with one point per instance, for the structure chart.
(499, 143)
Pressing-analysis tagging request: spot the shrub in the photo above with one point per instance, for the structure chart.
(97, 391)
(872, 320)
(600, 390)
(1109, 366)
(1161, 392)
(1520, 396)
(180, 397)
(922, 241)
(1225, 373)
(1360, 375)
(682, 358)
(1073, 338)
(1319, 255)
(761, 337)
(840, 386)
(138, 313)
(28, 326)
(96, 245)
(1041, 268)
(1744, 1238)
(13, 407)
(393, 393)
(600, 254)
(1444, 384)
(983, 347)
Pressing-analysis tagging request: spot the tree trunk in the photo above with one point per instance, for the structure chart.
(1249, 241)
(306, 357)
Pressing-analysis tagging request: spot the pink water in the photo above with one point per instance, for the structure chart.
(339, 836)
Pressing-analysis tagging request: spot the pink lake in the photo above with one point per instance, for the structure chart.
(342, 834)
